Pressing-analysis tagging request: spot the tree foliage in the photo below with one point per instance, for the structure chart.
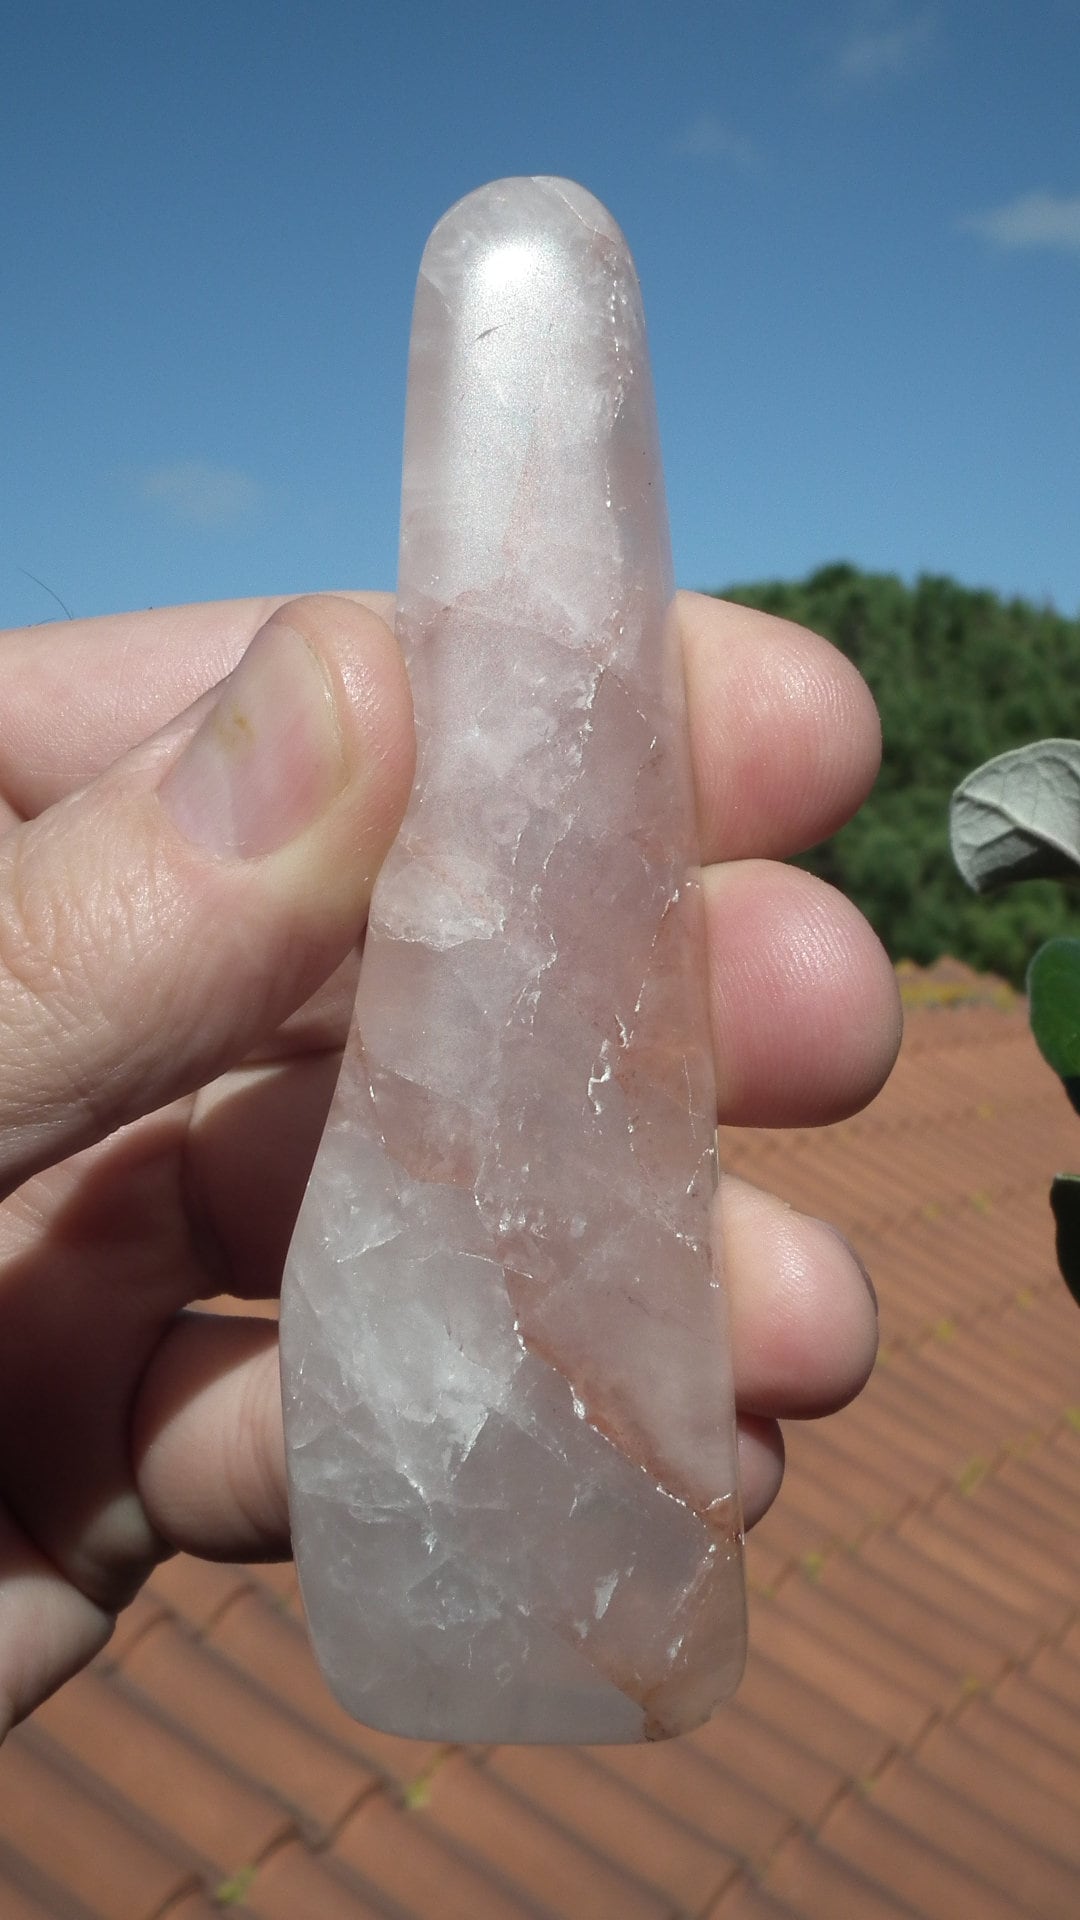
(959, 675)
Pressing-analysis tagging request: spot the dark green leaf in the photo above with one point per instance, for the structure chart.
(1053, 985)
(1065, 1201)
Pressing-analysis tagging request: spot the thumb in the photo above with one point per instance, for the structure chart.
(156, 924)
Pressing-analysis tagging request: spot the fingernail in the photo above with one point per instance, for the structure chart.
(267, 758)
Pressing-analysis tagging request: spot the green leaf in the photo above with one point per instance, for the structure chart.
(1017, 817)
(1053, 985)
(1065, 1201)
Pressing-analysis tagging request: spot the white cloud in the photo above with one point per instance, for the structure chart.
(884, 47)
(710, 138)
(199, 494)
(1031, 220)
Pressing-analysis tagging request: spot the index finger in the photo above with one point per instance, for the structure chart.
(784, 734)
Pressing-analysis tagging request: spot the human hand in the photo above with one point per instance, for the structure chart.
(177, 962)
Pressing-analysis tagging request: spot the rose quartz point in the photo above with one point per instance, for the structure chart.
(506, 1380)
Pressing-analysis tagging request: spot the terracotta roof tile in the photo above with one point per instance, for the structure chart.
(1053, 1670)
(535, 1854)
(880, 1425)
(1019, 1533)
(1038, 1489)
(958, 1422)
(146, 1610)
(817, 1884)
(197, 1591)
(745, 1901)
(868, 1692)
(278, 1580)
(879, 1471)
(875, 1482)
(798, 1710)
(912, 1863)
(150, 1763)
(920, 1576)
(906, 1743)
(782, 1767)
(1010, 1389)
(1049, 1553)
(985, 1563)
(272, 1649)
(1064, 1449)
(293, 1883)
(246, 1728)
(1005, 1791)
(956, 1418)
(91, 1850)
(1039, 1709)
(196, 1906)
(764, 1564)
(30, 1893)
(834, 1622)
(787, 1534)
(655, 1821)
(406, 1862)
(822, 1508)
(1026, 1877)
(960, 1654)
(1039, 1759)
(19, 1904)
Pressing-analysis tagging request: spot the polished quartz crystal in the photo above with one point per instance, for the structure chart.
(506, 1380)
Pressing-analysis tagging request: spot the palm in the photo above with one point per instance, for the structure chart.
(128, 1427)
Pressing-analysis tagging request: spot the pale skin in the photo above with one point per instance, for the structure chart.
(177, 955)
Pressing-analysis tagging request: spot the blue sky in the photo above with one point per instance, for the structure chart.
(857, 225)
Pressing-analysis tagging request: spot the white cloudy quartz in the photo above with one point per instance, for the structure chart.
(506, 1383)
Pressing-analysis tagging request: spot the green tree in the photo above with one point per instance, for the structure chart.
(959, 675)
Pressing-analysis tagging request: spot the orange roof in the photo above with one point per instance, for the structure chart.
(907, 1739)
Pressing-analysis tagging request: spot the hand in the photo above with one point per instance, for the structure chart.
(179, 908)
